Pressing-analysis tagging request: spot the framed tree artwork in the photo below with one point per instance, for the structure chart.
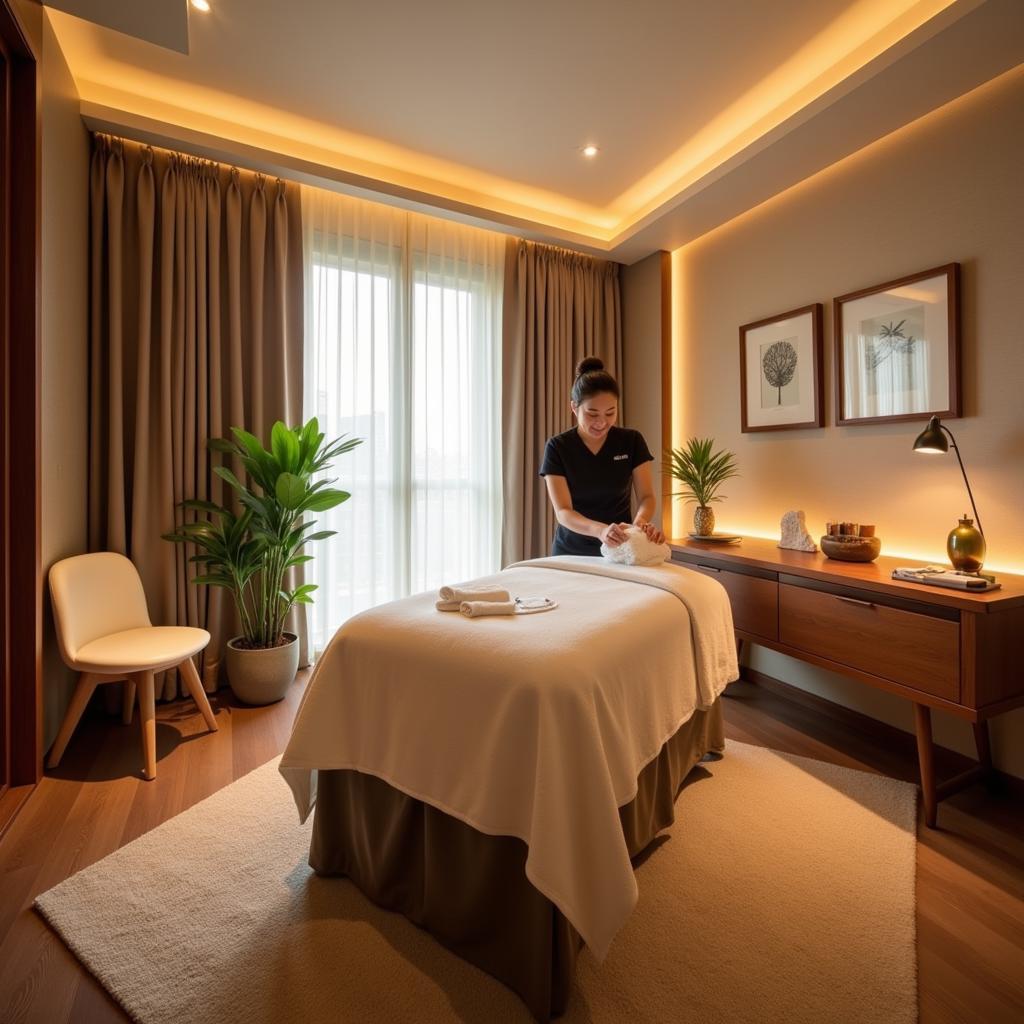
(897, 349)
(781, 371)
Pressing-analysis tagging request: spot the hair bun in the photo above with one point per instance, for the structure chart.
(589, 365)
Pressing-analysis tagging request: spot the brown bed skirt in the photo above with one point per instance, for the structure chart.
(470, 890)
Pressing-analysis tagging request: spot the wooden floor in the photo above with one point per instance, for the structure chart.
(970, 874)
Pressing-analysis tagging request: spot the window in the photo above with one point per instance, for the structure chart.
(403, 350)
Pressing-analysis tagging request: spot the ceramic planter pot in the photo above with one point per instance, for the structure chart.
(703, 520)
(262, 676)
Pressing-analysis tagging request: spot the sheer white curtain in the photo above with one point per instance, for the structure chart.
(403, 335)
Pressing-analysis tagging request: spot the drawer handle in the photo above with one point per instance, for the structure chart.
(708, 568)
(856, 600)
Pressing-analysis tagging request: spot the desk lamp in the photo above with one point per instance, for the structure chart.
(965, 544)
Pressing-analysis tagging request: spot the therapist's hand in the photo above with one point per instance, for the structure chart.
(614, 534)
(654, 535)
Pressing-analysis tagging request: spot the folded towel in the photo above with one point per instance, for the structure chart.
(452, 597)
(471, 593)
(474, 609)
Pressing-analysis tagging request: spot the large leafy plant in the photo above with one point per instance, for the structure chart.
(701, 470)
(249, 552)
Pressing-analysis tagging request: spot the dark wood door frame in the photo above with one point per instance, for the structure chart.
(20, 546)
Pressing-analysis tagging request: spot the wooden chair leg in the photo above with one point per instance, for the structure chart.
(923, 727)
(147, 717)
(127, 701)
(194, 685)
(87, 683)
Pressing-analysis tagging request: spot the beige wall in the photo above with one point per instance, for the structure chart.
(64, 325)
(949, 187)
(641, 352)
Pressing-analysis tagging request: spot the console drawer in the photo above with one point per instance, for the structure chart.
(906, 647)
(755, 601)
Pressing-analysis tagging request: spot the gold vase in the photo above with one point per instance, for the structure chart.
(703, 520)
(966, 546)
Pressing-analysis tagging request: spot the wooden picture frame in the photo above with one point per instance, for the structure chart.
(781, 371)
(896, 349)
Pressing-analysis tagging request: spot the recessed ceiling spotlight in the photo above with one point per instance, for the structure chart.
(201, 5)
(589, 151)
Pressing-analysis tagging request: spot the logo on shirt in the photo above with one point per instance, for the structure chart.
(615, 458)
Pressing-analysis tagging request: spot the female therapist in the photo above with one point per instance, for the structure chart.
(591, 469)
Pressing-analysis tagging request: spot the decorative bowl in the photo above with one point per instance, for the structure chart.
(851, 549)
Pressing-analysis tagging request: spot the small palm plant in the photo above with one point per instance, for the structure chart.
(249, 552)
(702, 471)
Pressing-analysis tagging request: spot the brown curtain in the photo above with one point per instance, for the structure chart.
(559, 306)
(195, 327)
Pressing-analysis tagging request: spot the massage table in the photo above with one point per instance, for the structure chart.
(491, 778)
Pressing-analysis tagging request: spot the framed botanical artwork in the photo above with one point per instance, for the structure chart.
(897, 349)
(781, 371)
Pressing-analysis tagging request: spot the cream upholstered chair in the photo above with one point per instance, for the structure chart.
(105, 634)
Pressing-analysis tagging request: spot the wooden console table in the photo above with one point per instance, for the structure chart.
(953, 650)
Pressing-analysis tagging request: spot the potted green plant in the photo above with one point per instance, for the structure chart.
(702, 471)
(248, 552)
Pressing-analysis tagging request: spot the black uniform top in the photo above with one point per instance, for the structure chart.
(599, 485)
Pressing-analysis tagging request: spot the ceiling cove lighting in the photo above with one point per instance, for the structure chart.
(590, 151)
(201, 5)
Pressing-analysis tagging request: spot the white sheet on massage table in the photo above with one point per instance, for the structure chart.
(533, 726)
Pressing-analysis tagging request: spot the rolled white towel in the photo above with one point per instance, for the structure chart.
(452, 597)
(637, 549)
(474, 609)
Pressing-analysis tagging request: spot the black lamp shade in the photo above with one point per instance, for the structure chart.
(932, 439)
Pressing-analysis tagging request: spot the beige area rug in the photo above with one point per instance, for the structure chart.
(784, 892)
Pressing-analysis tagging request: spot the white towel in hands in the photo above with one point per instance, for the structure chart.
(452, 597)
(637, 549)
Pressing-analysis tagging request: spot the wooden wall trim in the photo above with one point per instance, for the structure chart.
(22, 580)
(666, 387)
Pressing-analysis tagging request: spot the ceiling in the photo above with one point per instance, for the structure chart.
(481, 110)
